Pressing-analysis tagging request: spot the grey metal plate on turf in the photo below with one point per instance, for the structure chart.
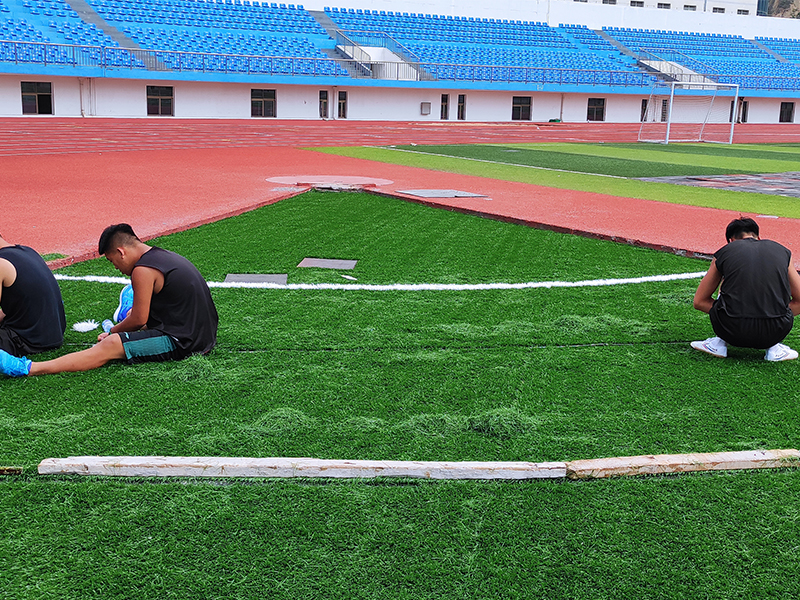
(327, 263)
(279, 278)
(441, 194)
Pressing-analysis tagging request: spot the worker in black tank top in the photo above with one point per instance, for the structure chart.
(759, 294)
(173, 314)
(183, 308)
(31, 309)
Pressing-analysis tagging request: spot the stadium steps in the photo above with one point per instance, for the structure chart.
(353, 68)
(88, 15)
(622, 48)
(325, 22)
(346, 62)
(672, 71)
(769, 51)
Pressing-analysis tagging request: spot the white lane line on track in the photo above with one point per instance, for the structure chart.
(414, 287)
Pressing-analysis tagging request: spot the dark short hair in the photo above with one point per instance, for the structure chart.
(738, 227)
(111, 237)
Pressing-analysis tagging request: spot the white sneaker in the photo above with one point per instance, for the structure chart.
(780, 352)
(713, 345)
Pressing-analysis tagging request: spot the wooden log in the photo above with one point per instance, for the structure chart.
(181, 466)
(681, 463)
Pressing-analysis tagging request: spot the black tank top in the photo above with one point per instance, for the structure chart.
(183, 309)
(755, 279)
(32, 304)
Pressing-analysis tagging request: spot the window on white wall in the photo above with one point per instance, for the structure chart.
(596, 109)
(521, 108)
(718, 9)
(160, 100)
(665, 5)
(742, 11)
(637, 3)
(37, 98)
(787, 113)
(690, 7)
(262, 103)
(741, 117)
(462, 107)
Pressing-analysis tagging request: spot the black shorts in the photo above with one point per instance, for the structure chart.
(149, 345)
(750, 333)
(15, 345)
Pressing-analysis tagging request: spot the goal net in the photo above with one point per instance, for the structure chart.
(689, 112)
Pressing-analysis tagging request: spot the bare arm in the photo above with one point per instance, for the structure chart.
(794, 288)
(704, 296)
(145, 281)
(8, 275)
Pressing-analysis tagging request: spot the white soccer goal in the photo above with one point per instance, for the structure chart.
(690, 112)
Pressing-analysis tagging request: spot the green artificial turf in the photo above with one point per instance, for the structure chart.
(53, 256)
(655, 160)
(583, 159)
(592, 161)
(721, 536)
(531, 375)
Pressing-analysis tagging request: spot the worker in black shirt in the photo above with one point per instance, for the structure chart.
(759, 294)
(31, 309)
(172, 317)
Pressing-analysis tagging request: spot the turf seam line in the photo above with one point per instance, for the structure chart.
(414, 287)
(282, 467)
(432, 348)
(497, 162)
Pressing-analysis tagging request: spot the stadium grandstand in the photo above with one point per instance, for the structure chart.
(554, 60)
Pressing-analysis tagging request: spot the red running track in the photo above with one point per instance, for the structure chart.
(44, 135)
(64, 180)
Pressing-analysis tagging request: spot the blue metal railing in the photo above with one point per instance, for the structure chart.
(102, 57)
(121, 59)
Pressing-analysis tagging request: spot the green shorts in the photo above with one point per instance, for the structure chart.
(149, 346)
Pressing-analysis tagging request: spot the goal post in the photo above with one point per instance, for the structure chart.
(690, 112)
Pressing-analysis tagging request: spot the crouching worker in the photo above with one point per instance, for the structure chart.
(759, 294)
(173, 314)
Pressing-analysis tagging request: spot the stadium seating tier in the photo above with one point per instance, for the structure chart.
(449, 47)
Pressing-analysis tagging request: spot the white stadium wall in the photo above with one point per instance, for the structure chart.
(107, 97)
(767, 110)
(73, 97)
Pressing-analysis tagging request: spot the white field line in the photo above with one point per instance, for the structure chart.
(414, 287)
(498, 162)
